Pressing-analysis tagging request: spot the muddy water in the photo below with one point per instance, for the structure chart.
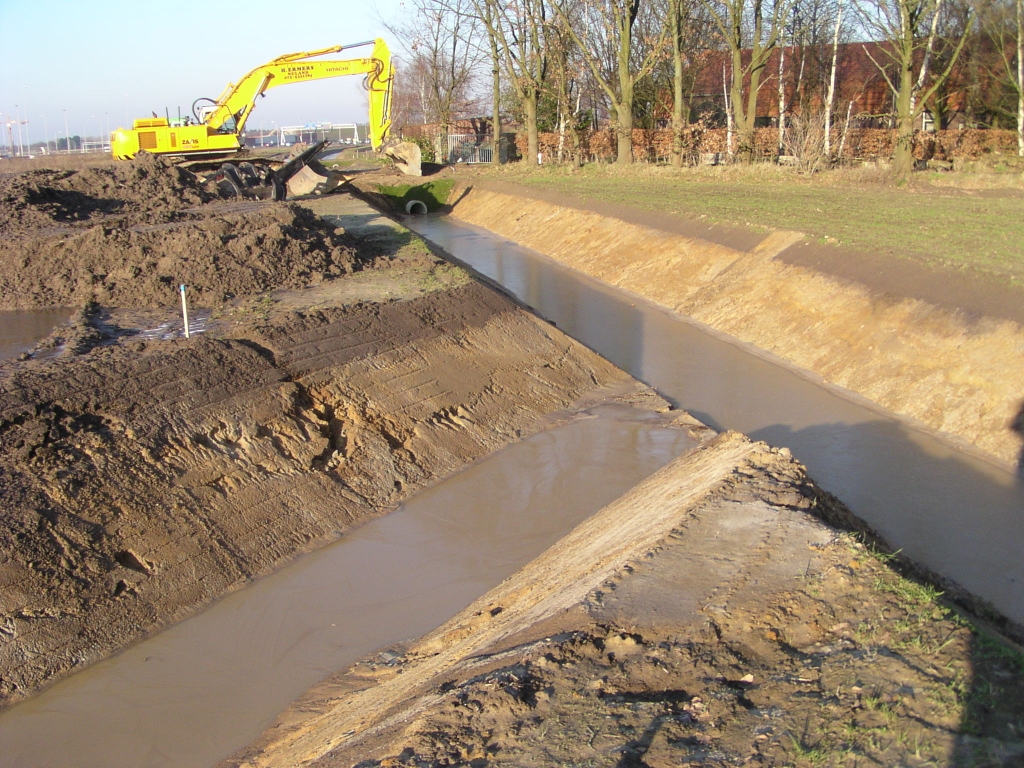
(21, 330)
(960, 515)
(193, 694)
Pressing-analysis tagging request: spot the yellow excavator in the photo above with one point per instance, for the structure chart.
(215, 128)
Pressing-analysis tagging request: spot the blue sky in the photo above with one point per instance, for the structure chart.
(110, 61)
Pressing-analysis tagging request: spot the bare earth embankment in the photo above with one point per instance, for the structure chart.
(143, 479)
(717, 614)
(709, 617)
(953, 369)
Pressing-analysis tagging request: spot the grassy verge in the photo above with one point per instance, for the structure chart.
(972, 221)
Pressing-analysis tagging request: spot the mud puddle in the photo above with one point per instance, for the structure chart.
(193, 694)
(21, 330)
(959, 515)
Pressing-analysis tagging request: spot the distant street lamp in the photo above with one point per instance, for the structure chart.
(46, 134)
(17, 122)
(24, 101)
(67, 134)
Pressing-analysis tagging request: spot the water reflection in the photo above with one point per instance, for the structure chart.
(21, 330)
(193, 694)
(959, 515)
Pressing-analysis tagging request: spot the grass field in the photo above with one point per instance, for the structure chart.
(966, 220)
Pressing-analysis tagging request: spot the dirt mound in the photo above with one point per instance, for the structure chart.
(263, 247)
(46, 198)
(141, 481)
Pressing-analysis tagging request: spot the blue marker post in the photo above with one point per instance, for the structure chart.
(184, 310)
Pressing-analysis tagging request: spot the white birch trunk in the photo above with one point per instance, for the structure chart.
(782, 99)
(728, 115)
(832, 87)
(846, 130)
(1020, 78)
(922, 76)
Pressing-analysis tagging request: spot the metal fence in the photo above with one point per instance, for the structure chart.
(474, 148)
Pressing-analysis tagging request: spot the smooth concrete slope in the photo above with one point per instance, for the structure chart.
(141, 482)
(953, 371)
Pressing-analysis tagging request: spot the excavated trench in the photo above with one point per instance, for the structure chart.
(195, 693)
(303, 428)
(956, 513)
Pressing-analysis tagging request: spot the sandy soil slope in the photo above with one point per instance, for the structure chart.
(955, 372)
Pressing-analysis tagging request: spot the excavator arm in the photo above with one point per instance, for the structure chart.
(218, 130)
(236, 103)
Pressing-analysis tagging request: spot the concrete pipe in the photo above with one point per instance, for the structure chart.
(416, 207)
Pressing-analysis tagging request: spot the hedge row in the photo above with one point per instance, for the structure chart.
(860, 144)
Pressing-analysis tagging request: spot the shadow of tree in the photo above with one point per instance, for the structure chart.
(1017, 425)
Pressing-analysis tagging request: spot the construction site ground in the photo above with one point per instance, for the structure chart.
(721, 613)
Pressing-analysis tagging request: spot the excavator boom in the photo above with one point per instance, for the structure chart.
(218, 130)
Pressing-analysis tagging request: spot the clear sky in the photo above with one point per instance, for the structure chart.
(110, 61)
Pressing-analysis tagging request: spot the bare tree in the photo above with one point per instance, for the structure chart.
(689, 35)
(747, 31)
(517, 28)
(441, 58)
(910, 30)
(606, 33)
(1003, 21)
(495, 51)
(831, 97)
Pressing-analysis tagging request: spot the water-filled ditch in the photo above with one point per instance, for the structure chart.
(193, 694)
(957, 513)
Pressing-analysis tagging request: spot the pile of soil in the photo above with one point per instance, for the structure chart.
(45, 198)
(218, 256)
(143, 480)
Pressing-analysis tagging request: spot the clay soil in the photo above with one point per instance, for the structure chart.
(144, 475)
(128, 235)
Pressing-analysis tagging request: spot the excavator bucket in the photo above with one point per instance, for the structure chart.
(406, 156)
(313, 179)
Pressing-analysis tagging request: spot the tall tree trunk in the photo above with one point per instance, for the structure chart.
(677, 84)
(746, 138)
(1020, 78)
(736, 104)
(495, 98)
(624, 132)
(782, 98)
(832, 87)
(624, 109)
(729, 120)
(530, 113)
(903, 152)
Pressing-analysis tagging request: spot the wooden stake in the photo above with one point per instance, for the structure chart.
(184, 311)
